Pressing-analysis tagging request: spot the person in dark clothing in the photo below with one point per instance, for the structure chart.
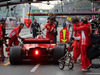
(35, 28)
(94, 26)
(64, 24)
(55, 32)
(94, 50)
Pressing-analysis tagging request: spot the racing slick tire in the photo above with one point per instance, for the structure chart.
(63, 45)
(60, 44)
(15, 55)
(59, 51)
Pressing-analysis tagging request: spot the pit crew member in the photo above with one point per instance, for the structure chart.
(14, 35)
(50, 29)
(85, 43)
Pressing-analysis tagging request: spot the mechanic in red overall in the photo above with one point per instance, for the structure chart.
(85, 43)
(14, 35)
(50, 29)
(1, 42)
(76, 42)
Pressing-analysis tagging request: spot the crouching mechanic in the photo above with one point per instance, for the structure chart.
(50, 29)
(14, 35)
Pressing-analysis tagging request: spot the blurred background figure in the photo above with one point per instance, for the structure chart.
(94, 26)
(55, 32)
(64, 24)
(35, 27)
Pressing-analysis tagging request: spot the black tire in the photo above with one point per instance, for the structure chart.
(61, 65)
(15, 55)
(59, 51)
(60, 44)
(70, 65)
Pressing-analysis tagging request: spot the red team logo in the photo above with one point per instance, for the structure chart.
(27, 22)
(64, 35)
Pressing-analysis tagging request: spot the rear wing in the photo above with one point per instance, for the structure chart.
(36, 41)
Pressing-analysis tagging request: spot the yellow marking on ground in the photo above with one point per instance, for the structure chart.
(35, 68)
(7, 64)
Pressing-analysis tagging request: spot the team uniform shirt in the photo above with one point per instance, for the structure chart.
(50, 35)
(85, 34)
(77, 34)
(14, 32)
(13, 37)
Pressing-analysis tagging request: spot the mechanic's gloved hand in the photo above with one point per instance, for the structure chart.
(49, 31)
(22, 39)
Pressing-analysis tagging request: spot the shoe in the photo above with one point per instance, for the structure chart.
(83, 69)
(89, 66)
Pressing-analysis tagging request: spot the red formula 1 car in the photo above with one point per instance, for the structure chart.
(36, 49)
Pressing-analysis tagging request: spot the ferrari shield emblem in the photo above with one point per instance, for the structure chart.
(64, 35)
(27, 22)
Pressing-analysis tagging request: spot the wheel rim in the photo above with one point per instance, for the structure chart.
(61, 65)
(70, 65)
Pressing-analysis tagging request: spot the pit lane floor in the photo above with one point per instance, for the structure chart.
(42, 68)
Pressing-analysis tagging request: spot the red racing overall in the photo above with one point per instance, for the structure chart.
(85, 43)
(13, 36)
(76, 44)
(50, 35)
